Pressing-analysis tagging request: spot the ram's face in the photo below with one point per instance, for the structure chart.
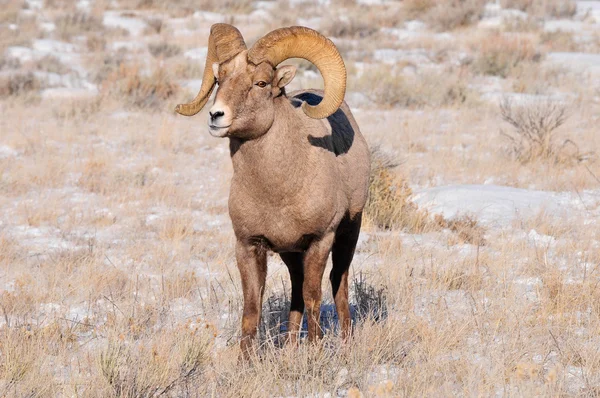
(243, 105)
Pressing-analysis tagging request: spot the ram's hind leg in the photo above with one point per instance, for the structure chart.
(343, 252)
(294, 262)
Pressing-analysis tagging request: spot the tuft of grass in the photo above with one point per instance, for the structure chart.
(167, 368)
(52, 64)
(544, 9)
(389, 205)
(559, 41)
(466, 228)
(128, 84)
(452, 14)
(353, 28)
(499, 55)
(21, 369)
(535, 132)
(164, 50)
(395, 89)
(77, 23)
(20, 83)
(417, 8)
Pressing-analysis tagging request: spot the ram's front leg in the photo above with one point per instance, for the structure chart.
(252, 263)
(315, 261)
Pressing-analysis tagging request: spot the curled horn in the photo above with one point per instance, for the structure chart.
(301, 42)
(224, 43)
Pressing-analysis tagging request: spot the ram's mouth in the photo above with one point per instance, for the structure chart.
(218, 131)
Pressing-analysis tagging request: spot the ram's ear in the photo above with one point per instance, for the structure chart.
(284, 75)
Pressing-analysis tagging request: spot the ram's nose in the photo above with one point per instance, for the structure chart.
(215, 115)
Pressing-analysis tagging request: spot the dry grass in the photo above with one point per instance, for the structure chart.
(500, 54)
(390, 88)
(117, 255)
(77, 23)
(544, 9)
(389, 205)
(452, 14)
(129, 85)
(18, 84)
(170, 368)
(164, 50)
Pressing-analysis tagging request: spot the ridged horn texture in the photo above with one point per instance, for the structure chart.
(224, 43)
(301, 42)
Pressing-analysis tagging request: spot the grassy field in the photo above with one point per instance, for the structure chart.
(478, 268)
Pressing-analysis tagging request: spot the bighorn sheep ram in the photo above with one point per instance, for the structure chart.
(300, 168)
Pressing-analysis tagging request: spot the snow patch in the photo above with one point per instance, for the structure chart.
(196, 53)
(579, 62)
(7, 152)
(115, 19)
(492, 204)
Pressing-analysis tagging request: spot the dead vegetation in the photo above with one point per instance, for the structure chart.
(117, 267)
(544, 9)
(164, 50)
(445, 15)
(535, 133)
(389, 205)
(499, 54)
(19, 84)
(395, 88)
(170, 368)
(452, 14)
(128, 84)
(77, 23)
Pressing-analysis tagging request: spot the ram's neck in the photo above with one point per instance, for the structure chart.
(277, 163)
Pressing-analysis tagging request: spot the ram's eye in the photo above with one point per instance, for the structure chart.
(261, 84)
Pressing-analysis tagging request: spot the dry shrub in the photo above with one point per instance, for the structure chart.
(534, 135)
(187, 69)
(108, 64)
(417, 8)
(20, 83)
(371, 301)
(499, 54)
(389, 205)
(138, 90)
(347, 28)
(452, 14)
(96, 42)
(155, 25)
(80, 109)
(186, 7)
(9, 63)
(544, 9)
(51, 64)
(164, 50)
(532, 78)
(169, 367)
(386, 87)
(466, 228)
(559, 41)
(77, 23)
